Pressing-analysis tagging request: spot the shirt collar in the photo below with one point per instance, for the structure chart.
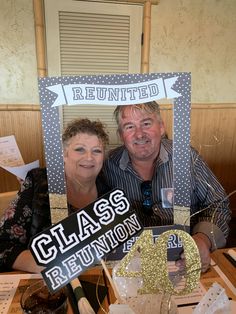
(163, 156)
(124, 161)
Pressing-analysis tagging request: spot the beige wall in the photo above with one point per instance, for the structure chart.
(187, 35)
(18, 68)
(197, 36)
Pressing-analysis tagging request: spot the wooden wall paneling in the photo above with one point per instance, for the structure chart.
(213, 134)
(25, 123)
(167, 117)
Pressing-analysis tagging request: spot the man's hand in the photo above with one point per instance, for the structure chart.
(204, 245)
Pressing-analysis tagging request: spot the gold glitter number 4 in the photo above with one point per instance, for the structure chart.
(154, 270)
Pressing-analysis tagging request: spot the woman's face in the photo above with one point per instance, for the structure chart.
(83, 156)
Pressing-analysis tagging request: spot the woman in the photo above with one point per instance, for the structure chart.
(84, 143)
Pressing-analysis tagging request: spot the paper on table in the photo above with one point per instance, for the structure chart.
(9, 152)
(214, 301)
(21, 171)
(11, 159)
(11, 288)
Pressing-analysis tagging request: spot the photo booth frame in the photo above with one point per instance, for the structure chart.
(125, 89)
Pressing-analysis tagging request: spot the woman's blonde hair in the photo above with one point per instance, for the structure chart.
(86, 126)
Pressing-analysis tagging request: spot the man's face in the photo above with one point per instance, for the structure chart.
(141, 133)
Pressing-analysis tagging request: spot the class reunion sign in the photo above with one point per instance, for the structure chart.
(78, 242)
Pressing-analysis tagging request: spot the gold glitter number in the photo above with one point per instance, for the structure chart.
(192, 260)
(154, 271)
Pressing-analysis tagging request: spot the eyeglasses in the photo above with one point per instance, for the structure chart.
(146, 189)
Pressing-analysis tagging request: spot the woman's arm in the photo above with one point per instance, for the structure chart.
(24, 217)
(26, 262)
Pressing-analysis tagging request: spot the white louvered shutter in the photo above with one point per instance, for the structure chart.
(92, 43)
(92, 38)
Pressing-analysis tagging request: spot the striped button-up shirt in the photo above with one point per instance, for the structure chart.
(205, 192)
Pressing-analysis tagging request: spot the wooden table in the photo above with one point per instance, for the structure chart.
(221, 263)
(207, 279)
(225, 265)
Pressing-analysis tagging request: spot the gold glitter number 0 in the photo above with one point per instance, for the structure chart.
(154, 271)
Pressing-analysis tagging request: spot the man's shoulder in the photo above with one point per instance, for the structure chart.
(115, 153)
(168, 144)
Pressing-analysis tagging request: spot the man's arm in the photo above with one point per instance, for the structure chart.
(213, 213)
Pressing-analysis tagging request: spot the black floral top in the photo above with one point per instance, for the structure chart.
(27, 215)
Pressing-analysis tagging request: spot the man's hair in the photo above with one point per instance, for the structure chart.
(78, 126)
(149, 107)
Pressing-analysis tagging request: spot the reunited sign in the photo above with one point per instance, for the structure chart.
(135, 93)
(76, 243)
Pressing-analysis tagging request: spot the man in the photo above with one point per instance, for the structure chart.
(142, 167)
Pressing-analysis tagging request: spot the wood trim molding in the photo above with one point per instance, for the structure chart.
(19, 107)
(203, 106)
(214, 106)
(154, 2)
(29, 107)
